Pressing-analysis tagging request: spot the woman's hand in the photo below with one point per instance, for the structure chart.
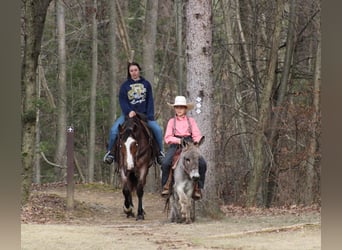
(131, 114)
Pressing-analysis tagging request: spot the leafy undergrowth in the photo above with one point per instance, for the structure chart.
(231, 210)
(47, 208)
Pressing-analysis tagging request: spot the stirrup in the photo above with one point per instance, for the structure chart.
(108, 158)
(160, 158)
(165, 192)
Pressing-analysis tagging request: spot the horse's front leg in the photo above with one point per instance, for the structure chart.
(140, 194)
(140, 190)
(128, 204)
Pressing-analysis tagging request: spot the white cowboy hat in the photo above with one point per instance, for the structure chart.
(181, 101)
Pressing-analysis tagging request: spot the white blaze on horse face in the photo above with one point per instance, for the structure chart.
(130, 160)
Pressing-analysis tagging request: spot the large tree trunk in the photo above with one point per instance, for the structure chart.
(179, 35)
(34, 19)
(112, 74)
(149, 39)
(92, 126)
(255, 188)
(200, 87)
(310, 166)
(151, 15)
(60, 158)
(282, 90)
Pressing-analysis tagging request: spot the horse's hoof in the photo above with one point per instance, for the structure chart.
(130, 215)
(140, 217)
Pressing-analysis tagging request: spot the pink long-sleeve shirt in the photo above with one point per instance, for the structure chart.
(182, 129)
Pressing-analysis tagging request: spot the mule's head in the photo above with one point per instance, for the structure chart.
(190, 157)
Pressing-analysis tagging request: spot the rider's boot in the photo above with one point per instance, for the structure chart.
(167, 186)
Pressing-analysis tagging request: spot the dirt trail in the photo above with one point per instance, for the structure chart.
(99, 223)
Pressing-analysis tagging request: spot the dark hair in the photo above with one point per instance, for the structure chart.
(129, 65)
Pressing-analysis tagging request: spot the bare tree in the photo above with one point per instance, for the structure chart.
(254, 188)
(311, 162)
(94, 72)
(200, 85)
(60, 158)
(270, 184)
(179, 35)
(34, 14)
(149, 38)
(112, 72)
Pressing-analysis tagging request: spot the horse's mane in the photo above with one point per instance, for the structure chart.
(131, 124)
(141, 116)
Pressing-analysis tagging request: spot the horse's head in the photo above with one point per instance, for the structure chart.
(128, 144)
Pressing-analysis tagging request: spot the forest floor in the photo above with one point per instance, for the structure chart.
(98, 222)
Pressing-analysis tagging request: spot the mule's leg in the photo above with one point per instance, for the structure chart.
(128, 204)
(182, 200)
(184, 194)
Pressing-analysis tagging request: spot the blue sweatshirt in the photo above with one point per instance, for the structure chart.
(137, 96)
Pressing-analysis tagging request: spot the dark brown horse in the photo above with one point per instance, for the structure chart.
(136, 150)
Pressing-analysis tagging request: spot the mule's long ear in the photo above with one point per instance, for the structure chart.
(200, 141)
(184, 143)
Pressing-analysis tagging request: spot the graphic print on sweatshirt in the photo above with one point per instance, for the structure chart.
(137, 93)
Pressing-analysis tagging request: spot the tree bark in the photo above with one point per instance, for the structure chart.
(94, 72)
(179, 35)
(240, 123)
(60, 158)
(149, 38)
(200, 87)
(311, 162)
(255, 188)
(282, 90)
(112, 73)
(34, 19)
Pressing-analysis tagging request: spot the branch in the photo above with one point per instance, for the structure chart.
(49, 162)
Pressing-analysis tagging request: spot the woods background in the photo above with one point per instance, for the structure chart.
(263, 88)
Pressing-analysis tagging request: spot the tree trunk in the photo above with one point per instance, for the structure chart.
(92, 127)
(240, 124)
(282, 90)
(60, 158)
(179, 35)
(34, 19)
(149, 38)
(310, 170)
(113, 108)
(200, 87)
(255, 188)
(37, 168)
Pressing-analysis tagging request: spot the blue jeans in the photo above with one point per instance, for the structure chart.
(153, 125)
